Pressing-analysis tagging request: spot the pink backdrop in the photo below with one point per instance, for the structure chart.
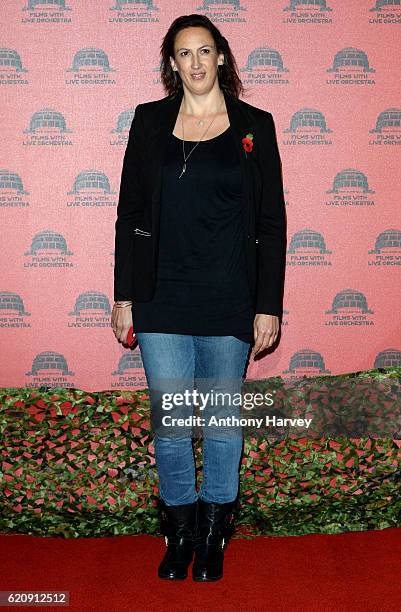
(71, 75)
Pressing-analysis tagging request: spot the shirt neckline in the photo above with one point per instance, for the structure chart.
(208, 140)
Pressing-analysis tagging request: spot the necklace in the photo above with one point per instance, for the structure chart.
(200, 122)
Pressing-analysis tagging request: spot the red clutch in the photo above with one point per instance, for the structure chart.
(131, 338)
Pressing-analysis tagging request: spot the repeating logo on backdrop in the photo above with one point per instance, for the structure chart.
(129, 372)
(12, 190)
(306, 362)
(307, 127)
(308, 248)
(49, 369)
(122, 128)
(387, 128)
(307, 12)
(92, 189)
(11, 67)
(387, 249)
(350, 188)
(389, 358)
(285, 318)
(133, 11)
(157, 69)
(12, 310)
(351, 67)
(46, 11)
(90, 67)
(265, 66)
(387, 11)
(350, 308)
(47, 127)
(48, 250)
(224, 11)
(91, 309)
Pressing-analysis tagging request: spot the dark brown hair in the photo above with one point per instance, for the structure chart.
(227, 73)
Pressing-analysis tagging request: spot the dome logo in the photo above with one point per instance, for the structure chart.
(387, 249)
(157, 69)
(303, 5)
(133, 11)
(285, 318)
(46, 11)
(11, 67)
(387, 11)
(122, 127)
(32, 5)
(308, 11)
(129, 372)
(265, 66)
(12, 190)
(223, 11)
(385, 4)
(352, 67)
(90, 67)
(308, 248)
(306, 362)
(350, 308)
(47, 127)
(92, 189)
(50, 369)
(47, 120)
(387, 128)
(48, 250)
(350, 188)
(12, 311)
(91, 309)
(389, 358)
(307, 127)
(121, 5)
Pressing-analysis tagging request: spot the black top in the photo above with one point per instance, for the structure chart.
(201, 285)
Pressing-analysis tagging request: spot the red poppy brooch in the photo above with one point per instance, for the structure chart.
(247, 143)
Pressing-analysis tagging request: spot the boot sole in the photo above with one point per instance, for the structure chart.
(206, 579)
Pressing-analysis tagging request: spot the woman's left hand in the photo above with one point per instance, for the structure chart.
(265, 329)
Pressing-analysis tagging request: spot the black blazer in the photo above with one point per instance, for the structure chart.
(138, 211)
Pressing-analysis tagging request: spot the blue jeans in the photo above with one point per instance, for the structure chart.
(172, 364)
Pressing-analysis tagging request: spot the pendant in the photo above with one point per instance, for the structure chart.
(183, 170)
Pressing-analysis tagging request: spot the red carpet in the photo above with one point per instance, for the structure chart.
(358, 571)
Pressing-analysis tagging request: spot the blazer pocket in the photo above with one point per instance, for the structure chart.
(141, 232)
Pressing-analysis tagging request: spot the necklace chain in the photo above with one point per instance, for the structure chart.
(184, 167)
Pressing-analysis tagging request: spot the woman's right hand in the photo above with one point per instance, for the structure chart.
(121, 321)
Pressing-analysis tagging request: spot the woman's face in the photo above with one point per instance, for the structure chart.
(195, 54)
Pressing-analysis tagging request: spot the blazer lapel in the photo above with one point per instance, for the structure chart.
(239, 123)
(160, 137)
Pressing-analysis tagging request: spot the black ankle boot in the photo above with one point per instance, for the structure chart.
(214, 529)
(178, 526)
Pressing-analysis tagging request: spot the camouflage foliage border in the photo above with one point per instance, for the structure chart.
(79, 464)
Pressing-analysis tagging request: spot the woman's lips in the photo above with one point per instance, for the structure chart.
(198, 77)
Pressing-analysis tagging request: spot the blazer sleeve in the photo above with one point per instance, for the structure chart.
(129, 209)
(271, 227)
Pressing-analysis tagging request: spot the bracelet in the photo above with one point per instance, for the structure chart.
(121, 304)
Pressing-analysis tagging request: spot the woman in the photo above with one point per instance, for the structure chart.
(199, 272)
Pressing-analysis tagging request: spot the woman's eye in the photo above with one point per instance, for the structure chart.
(203, 50)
